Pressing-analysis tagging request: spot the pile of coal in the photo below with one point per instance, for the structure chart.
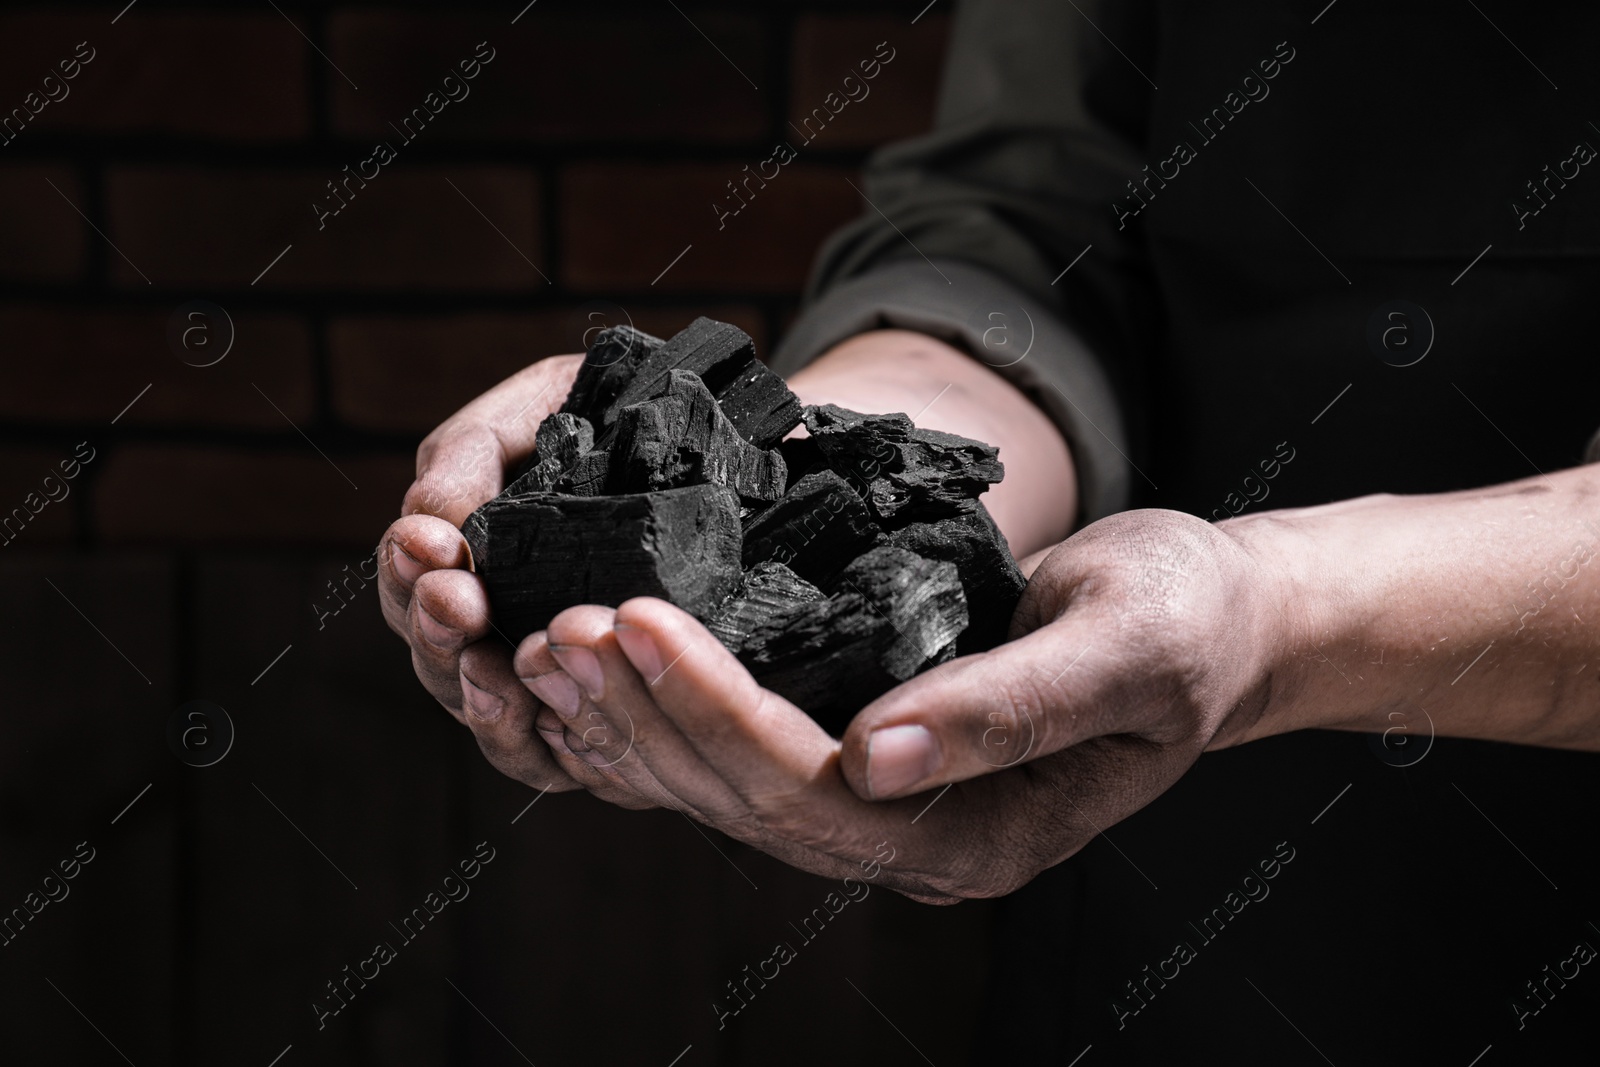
(835, 565)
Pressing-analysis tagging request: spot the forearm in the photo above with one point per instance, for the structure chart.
(943, 388)
(1480, 608)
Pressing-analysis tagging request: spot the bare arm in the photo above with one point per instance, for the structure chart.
(1480, 608)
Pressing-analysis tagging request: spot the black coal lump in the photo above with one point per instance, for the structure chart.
(560, 440)
(589, 475)
(544, 552)
(770, 599)
(608, 366)
(910, 474)
(715, 352)
(818, 527)
(835, 566)
(682, 438)
(760, 405)
(920, 598)
(891, 613)
(990, 577)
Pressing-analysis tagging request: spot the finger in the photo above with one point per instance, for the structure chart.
(782, 766)
(500, 713)
(564, 731)
(615, 711)
(735, 726)
(622, 724)
(988, 712)
(462, 463)
(972, 841)
(449, 610)
(412, 547)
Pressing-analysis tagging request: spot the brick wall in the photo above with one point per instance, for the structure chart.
(582, 160)
(208, 506)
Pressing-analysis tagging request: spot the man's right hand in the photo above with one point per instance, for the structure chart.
(439, 607)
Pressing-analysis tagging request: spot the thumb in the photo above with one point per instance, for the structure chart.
(463, 463)
(981, 713)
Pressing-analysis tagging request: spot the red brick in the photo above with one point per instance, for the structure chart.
(622, 225)
(410, 373)
(407, 229)
(166, 495)
(645, 77)
(41, 237)
(86, 366)
(898, 102)
(29, 477)
(230, 77)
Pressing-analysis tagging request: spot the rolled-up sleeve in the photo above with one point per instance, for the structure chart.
(995, 232)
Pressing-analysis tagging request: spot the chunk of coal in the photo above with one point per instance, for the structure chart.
(608, 367)
(683, 438)
(835, 566)
(910, 473)
(760, 405)
(891, 614)
(588, 476)
(920, 599)
(818, 527)
(772, 595)
(560, 440)
(990, 577)
(714, 351)
(541, 553)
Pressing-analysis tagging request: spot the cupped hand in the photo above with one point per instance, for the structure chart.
(436, 604)
(1150, 635)
(1140, 642)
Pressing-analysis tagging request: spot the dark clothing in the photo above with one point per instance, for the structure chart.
(1237, 305)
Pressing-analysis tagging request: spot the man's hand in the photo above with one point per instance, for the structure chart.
(1149, 635)
(1139, 642)
(439, 607)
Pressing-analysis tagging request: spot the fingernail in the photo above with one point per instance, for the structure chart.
(575, 744)
(435, 632)
(407, 566)
(597, 759)
(553, 730)
(899, 757)
(556, 690)
(484, 705)
(584, 668)
(640, 648)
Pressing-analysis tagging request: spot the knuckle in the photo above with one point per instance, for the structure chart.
(1016, 721)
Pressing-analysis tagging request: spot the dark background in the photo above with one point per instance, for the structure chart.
(193, 557)
(196, 546)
